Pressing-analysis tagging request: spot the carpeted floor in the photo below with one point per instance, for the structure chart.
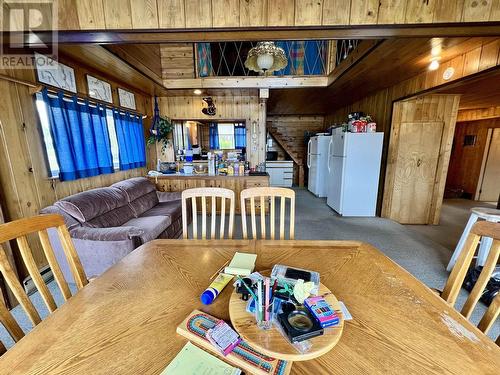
(410, 247)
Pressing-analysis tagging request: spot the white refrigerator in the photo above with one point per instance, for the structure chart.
(354, 171)
(317, 159)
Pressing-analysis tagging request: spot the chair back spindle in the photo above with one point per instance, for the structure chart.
(19, 230)
(455, 280)
(201, 194)
(265, 195)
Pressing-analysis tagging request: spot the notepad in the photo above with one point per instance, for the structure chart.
(242, 264)
(192, 360)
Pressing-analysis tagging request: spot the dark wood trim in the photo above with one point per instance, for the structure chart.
(466, 29)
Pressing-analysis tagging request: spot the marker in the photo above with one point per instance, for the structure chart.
(266, 300)
(258, 303)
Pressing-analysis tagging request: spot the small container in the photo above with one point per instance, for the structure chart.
(259, 317)
(371, 127)
(188, 168)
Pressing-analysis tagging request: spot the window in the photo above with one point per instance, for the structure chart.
(226, 136)
(47, 137)
(84, 140)
(112, 139)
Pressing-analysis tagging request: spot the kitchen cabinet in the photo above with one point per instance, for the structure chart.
(280, 173)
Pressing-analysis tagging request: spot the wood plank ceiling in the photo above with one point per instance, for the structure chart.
(480, 92)
(393, 61)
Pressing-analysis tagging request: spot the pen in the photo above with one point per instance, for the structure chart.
(258, 303)
(275, 285)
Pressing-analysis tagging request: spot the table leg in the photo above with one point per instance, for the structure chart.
(472, 219)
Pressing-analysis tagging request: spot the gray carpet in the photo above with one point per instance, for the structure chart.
(412, 249)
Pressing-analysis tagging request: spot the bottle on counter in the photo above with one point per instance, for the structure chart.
(211, 164)
(230, 170)
(241, 169)
(236, 169)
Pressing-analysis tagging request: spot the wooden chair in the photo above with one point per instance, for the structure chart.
(264, 193)
(452, 288)
(213, 193)
(18, 230)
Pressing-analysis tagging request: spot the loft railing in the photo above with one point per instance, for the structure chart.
(344, 48)
(227, 59)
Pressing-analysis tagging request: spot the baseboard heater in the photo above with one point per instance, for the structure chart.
(29, 285)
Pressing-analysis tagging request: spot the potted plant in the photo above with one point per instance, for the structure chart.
(160, 132)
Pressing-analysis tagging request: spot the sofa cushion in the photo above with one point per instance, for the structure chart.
(144, 203)
(92, 203)
(69, 220)
(135, 187)
(140, 193)
(152, 226)
(171, 209)
(113, 218)
(168, 196)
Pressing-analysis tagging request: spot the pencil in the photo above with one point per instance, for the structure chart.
(219, 270)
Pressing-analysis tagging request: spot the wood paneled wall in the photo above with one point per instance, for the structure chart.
(379, 104)
(177, 60)
(247, 108)
(178, 14)
(24, 180)
(465, 162)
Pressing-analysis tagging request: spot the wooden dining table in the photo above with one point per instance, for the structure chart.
(124, 321)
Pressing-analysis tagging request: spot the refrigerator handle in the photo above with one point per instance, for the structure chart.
(309, 154)
(329, 147)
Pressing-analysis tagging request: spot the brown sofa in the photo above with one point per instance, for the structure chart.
(108, 223)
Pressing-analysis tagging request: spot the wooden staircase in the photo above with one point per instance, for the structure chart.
(288, 144)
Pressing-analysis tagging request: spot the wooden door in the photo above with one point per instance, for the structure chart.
(490, 186)
(416, 169)
(420, 143)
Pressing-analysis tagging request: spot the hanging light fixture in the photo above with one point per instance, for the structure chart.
(265, 58)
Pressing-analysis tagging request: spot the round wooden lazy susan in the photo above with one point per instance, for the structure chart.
(272, 343)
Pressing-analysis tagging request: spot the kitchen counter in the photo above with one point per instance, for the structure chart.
(180, 182)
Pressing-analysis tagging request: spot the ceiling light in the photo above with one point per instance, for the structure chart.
(434, 64)
(197, 92)
(266, 57)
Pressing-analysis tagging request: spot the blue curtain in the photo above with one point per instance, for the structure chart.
(130, 136)
(80, 136)
(240, 136)
(213, 134)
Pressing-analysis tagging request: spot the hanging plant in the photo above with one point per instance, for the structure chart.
(160, 132)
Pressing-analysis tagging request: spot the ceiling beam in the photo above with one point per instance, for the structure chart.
(245, 82)
(262, 33)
